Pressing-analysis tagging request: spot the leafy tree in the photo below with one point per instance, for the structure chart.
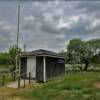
(12, 53)
(95, 45)
(79, 51)
(9, 58)
(4, 59)
(73, 50)
(96, 59)
(86, 55)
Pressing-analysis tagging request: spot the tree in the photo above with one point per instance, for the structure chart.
(96, 59)
(73, 50)
(81, 52)
(12, 53)
(4, 59)
(86, 55)
(95, 45)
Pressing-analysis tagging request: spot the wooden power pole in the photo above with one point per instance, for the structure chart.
(17, 48)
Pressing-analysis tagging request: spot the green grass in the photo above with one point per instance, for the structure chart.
(74, 86)
(75, 67)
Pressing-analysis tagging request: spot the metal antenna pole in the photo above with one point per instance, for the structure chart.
(17, 49)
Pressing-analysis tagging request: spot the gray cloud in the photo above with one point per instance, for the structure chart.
(87, 6)
(48, 24)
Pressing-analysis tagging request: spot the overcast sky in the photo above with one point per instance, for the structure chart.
(48, 25)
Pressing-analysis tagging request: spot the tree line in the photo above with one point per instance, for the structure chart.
(83, 53)
(7, 59)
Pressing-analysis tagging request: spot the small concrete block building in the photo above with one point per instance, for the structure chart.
(43, 65)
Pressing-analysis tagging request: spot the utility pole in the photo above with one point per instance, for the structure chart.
(17, 48)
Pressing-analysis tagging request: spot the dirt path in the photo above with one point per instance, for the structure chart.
(15, 84)
(7, 92)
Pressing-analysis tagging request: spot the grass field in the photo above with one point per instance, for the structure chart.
(72, 86)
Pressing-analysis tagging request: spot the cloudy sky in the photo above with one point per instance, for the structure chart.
(49, 24)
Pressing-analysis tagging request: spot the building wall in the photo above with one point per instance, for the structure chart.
(54, 67)
(39, 69)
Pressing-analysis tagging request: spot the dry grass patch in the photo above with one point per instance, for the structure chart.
(97, 85)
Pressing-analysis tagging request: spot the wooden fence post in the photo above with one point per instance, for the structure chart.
(3, 80)
(19, 81)
(29, 77)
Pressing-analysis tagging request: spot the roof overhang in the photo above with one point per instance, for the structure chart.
(22, 56)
